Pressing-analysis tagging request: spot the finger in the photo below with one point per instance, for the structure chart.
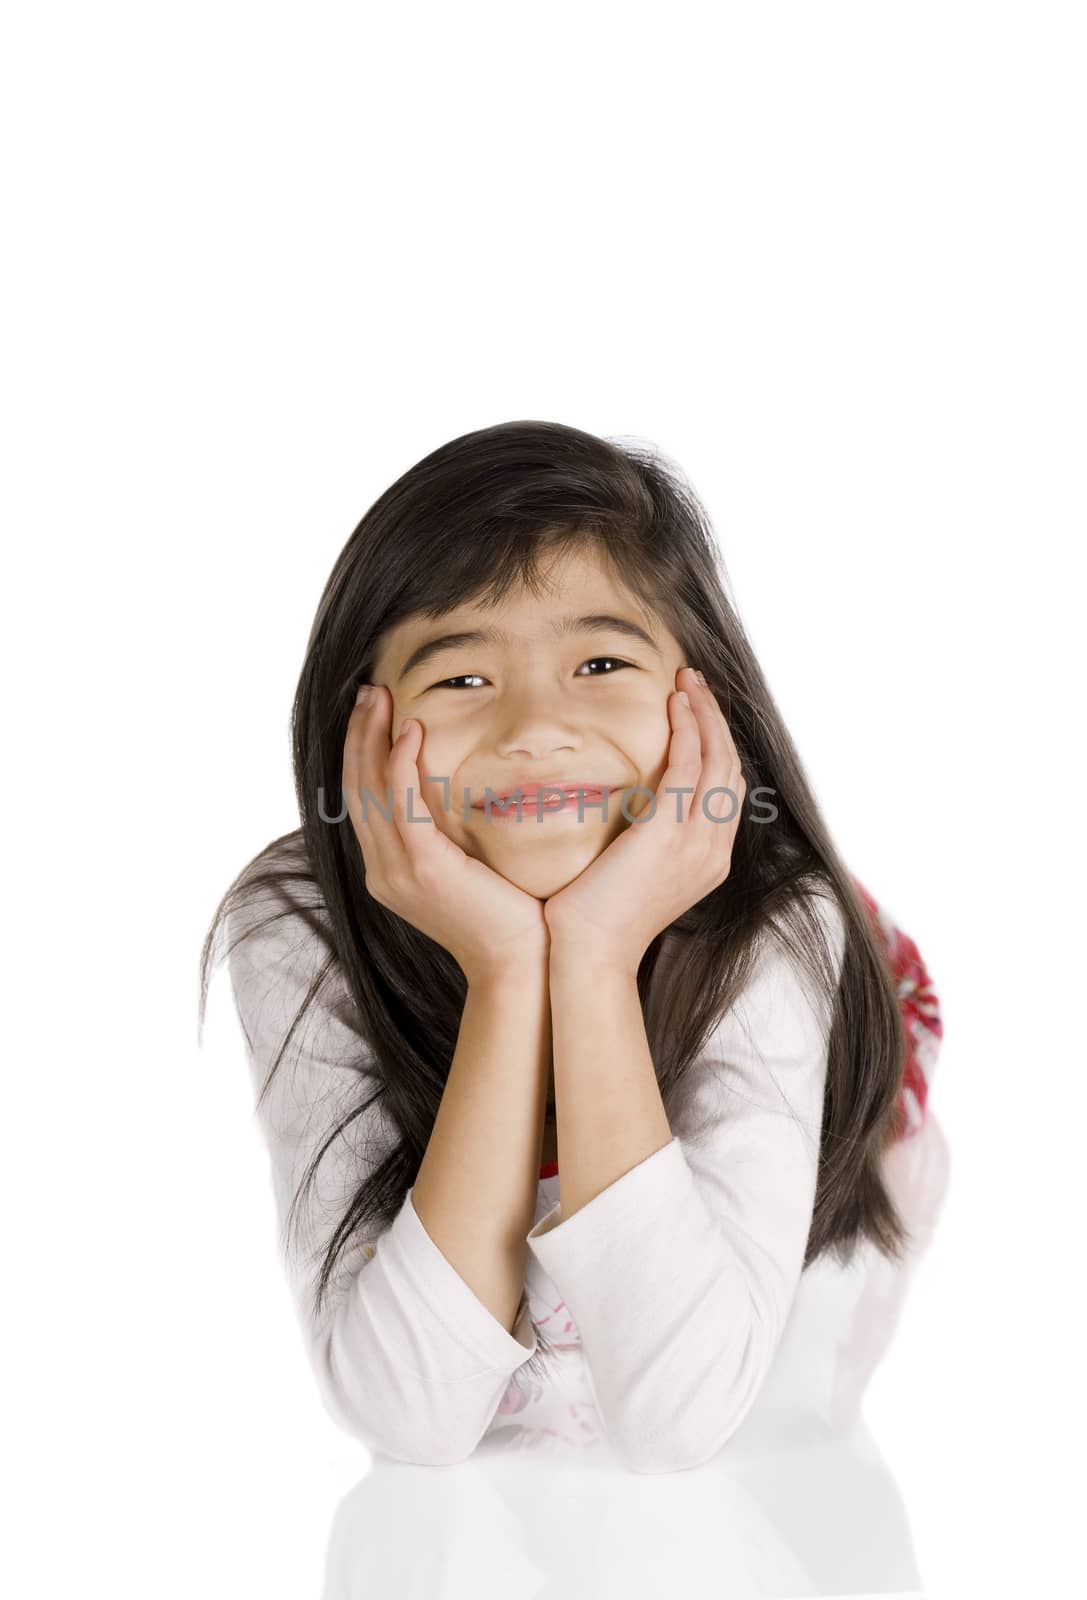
(367, 782)
(720, 761)
(684, 761)
(406, 788)
(723, 810)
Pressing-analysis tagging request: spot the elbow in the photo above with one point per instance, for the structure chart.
(398, 1441)
(681, 1448)
(396, 1435)
(679, 1452)
(384, 1419)
(700, 1420)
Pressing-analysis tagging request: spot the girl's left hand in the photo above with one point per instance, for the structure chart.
(666, 861)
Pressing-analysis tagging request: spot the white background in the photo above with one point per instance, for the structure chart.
(259, 260)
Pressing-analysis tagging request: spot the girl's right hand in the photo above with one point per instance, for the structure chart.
(486, 923)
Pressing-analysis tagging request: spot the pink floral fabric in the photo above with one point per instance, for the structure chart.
(549, 1402)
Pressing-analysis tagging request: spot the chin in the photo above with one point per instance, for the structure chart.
(542, 878)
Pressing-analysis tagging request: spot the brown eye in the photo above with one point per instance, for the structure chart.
(613, 660)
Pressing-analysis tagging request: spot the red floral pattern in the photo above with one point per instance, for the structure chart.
(921, 1019)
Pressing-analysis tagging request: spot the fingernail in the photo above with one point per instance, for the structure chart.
(364, 694)
(685, 697)
(701, 676)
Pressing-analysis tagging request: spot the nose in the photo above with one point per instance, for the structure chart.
(534, 723)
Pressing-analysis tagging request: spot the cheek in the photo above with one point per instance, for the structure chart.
(439, 760)
(650, 742)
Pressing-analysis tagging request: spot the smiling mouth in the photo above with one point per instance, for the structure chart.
(550, 792)
(545, 798)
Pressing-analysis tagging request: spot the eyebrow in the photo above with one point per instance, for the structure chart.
(596, 623)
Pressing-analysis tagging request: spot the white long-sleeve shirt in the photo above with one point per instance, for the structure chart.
(661, 1302)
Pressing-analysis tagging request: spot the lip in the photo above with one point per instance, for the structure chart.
(529, 791)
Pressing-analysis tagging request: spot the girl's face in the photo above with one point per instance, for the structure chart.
(569, 689)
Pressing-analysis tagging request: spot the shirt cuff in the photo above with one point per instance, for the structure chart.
(459, 1308)
(554, 1240)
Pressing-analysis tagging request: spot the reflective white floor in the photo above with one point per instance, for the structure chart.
(799, 1502)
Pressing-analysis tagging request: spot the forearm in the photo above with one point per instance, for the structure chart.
(609, 1113)
(475, 1192)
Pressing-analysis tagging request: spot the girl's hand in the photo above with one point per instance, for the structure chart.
(486, 923)
(666, 861)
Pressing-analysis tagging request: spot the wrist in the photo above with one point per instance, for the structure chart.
(569, 959)
(526, 967)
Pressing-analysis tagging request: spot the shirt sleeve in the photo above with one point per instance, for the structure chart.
(681, 1274)
(406, 1357)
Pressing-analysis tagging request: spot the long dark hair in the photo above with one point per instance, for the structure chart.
(466, 523)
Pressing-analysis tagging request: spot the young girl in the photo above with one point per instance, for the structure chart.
(575, 1039)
